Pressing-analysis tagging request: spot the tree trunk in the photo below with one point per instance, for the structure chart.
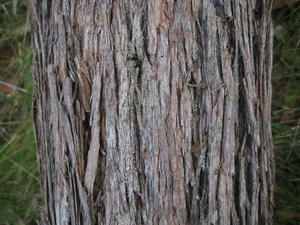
(154, 112)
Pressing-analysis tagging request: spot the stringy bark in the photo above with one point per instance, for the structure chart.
(154, 112)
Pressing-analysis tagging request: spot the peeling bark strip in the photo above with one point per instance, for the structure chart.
(154, 112)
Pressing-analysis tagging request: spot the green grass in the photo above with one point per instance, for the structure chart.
(19, 193)
(286, 114)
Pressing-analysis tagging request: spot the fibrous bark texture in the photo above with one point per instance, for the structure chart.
(154, 112)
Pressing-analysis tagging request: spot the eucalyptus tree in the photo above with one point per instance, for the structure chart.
(154, 112)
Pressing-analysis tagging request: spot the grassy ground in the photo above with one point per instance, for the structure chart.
(286, 114)
(19, 194)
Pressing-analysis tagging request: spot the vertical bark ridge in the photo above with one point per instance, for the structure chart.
(154, 112)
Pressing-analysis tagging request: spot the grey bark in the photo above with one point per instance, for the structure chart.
(154, 112)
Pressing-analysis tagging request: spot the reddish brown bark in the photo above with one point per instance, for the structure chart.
(154, 112)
